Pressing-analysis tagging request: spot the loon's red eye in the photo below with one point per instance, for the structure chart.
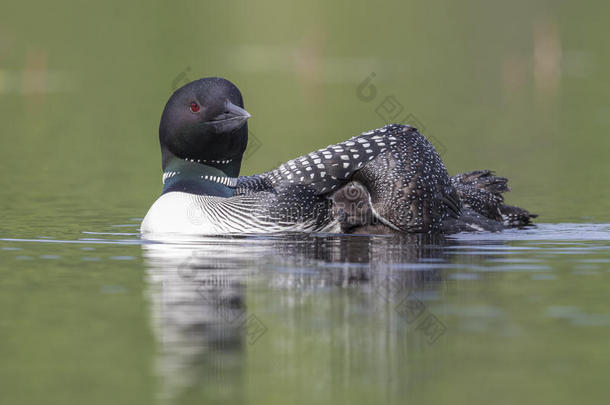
(194, 107)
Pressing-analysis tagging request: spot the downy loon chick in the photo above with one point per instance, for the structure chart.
(386, 180)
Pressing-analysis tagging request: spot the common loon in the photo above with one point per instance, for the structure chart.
(388, 180)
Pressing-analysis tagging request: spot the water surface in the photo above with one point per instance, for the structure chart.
(473, 318)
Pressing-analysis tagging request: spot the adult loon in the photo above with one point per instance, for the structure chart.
(388, 180)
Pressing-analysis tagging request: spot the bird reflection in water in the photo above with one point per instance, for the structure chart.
(199, 291)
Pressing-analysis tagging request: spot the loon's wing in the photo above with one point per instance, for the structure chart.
(409, 187)
(327, 169)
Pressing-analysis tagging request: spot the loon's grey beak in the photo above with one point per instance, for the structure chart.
(234, 117)
(237, 111)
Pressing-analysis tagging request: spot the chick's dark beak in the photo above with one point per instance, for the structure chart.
(232, 118)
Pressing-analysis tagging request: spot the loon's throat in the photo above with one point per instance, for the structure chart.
(197, 178)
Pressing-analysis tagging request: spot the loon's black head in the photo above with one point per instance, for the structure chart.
(204, 121)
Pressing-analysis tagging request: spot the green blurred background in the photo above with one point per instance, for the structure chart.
(521, 88)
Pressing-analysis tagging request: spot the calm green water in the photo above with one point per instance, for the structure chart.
(514, 317)
(90, 313)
